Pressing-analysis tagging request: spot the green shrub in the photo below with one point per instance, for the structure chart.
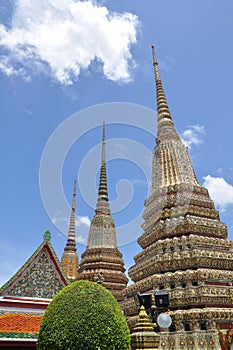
(84, 316)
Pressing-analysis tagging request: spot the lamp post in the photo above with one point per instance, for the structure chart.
(161, 298)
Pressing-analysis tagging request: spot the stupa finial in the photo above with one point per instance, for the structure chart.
(162, 105)
(102, 206)
(71, 241)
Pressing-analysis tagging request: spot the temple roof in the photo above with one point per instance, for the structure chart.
(20, 319)
(41, 276)
(19, 325)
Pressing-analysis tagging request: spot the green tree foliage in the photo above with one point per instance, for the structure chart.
(84, 316)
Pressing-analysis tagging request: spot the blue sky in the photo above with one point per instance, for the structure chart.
(59, 58)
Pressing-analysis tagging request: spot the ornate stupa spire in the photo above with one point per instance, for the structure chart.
(165, 123)
(185, 250)
(99, 237)
(162, 105)
(69, 259)
(171, 161)
(102, 206)
(102, 256)
(71, 242)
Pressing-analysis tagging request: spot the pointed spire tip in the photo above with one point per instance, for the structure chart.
(103, 132)
(75, 182)
(102, 201)
(153, 55)
(162, 105)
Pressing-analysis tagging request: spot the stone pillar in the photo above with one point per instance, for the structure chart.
(143, 336)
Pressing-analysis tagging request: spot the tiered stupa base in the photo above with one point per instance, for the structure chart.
(105, 266)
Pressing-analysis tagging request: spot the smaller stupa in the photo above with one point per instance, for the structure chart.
(69, 260)
(143, 336)
(102, 262)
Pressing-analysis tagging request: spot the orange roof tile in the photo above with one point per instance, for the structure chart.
(23, 323)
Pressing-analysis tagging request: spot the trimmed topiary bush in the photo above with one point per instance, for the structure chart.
(84, 316)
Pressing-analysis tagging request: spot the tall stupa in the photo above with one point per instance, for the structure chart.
(69, 260)
(102, 261)
(185, 250)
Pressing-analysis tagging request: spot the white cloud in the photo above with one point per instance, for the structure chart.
(63, 37)
(57, 218)
(220, 191)
(193, 135)
(120, 149)
(79, 220)
(82, 220)
(139, 182)
(219, 171)
(28, 112)
(80, 239)
(166, 63)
